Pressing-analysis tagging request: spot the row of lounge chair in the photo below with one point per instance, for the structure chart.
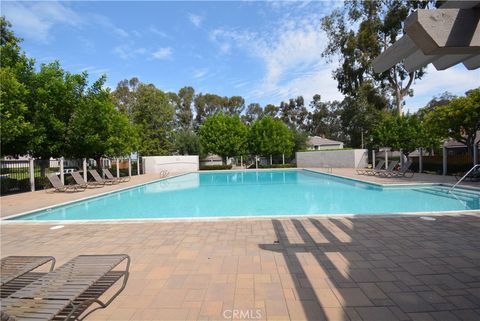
(390, 171)
(81, 184)
(70, 292)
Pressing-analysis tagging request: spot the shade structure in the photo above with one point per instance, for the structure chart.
(444, 37)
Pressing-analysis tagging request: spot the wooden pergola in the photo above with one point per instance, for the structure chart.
(444, 37)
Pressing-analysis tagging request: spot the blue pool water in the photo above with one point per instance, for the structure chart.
(259, 193)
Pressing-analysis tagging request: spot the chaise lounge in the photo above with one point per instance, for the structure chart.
(110, 176)
(18, 271)
(81, 182)
(101, 180)
(365, 171)
(58, 186)
(69, 291)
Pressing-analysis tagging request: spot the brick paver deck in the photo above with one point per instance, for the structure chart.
(358, 268)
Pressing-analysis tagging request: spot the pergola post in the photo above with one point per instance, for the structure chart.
(31, 171)
(283, 159)
(118, 168)
(138, 163)
(256, 161)
(84, 169)
(373, 158)
(386, 158)
(401, 158)
(420, 160)
(129, 166)
(475, 154)
(62, 175)
(444, 172)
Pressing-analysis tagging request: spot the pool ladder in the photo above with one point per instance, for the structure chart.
(461, 179)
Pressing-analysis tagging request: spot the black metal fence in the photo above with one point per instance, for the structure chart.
(15, 176)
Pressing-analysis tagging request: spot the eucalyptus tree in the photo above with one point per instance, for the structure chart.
(359, 32)
(254, 111)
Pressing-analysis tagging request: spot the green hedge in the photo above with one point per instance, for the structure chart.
(276, 166)
(215, 167)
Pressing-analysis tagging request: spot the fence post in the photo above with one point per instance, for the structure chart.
(118, 168)
(283, 159)
(373, 158)
(420, 160)
(62, 175)
(401, 158)
(32, 174)
(129, 166)
(445, 160)
(386, 158)
(85, 176)
(138, 164)
(475, 154)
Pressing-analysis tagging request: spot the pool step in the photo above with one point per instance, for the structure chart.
(471, 199)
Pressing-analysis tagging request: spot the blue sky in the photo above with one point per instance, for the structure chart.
(264, 51)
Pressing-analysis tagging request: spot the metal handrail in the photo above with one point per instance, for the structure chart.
(461, 179)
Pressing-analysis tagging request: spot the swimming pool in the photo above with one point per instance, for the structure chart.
(259, 193)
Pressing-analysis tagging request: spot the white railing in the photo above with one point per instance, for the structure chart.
(461, 179)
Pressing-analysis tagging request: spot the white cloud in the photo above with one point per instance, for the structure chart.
(160, 33)
(291, 55)
(106, 23)
(456, 80)
(200, 73)
(195, 19)
(35, 20)
(162, 53)
(127, 52)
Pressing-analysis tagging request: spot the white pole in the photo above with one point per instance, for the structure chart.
(85, 169)
(118, 168)
(420, 160)
(271, 162)
(62, 176)
(138, 163)
(283, 159)
(32, 174)
(129, 166)
(241, 161)
(444, 160)
(256, 161)
(386, 158)
(373, 158)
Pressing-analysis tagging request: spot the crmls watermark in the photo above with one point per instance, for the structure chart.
(238, 314)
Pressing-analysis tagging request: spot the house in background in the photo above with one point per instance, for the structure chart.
(322, 143)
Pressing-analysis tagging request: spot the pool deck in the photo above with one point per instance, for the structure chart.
(364, 268)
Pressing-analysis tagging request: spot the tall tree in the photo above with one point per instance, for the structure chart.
(271, 110)
(187, 142)
(294, 113)
(153, 113)
(359, 32)
(184, 115)
(254, 112)
(16, 73)
(124, 95)
(224, 135)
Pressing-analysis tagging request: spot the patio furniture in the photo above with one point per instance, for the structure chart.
(18, 271)
(81, 182)
(163, 173)
(364, 171)
(58, 186)
(473, 176)
(403, 172)
(69, 291)
(109, 175)
(99, 179)
(384, 172)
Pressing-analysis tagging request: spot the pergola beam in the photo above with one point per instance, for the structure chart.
(445, 62)
(472, 63)
(398, 51)
(445, 31)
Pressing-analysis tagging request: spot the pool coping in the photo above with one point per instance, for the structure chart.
(6, 219)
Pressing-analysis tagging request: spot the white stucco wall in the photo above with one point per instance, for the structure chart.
(336, 158)
(173, 164)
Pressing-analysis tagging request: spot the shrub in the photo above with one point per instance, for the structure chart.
(215, 167)
(276, 166)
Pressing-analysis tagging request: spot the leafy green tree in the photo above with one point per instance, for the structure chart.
(271, 110)
(294, 113)
(224, 135)
(16, 71)
(404, 132)
(187, 142)
(357, 33)
(97, 129)
(459, 119)
(124, 95)
(270, 136)
(153, 114)
(300, 139)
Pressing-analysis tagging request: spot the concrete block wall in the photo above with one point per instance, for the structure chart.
(173, 164)
(350, 158)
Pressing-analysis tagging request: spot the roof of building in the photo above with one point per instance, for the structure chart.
(321, 141)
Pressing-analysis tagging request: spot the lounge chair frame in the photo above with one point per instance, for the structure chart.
(365, 171)
(96, 176)
(17, 272)
(109, 175)
(58, 186)
(68, 292)
(81, 182)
